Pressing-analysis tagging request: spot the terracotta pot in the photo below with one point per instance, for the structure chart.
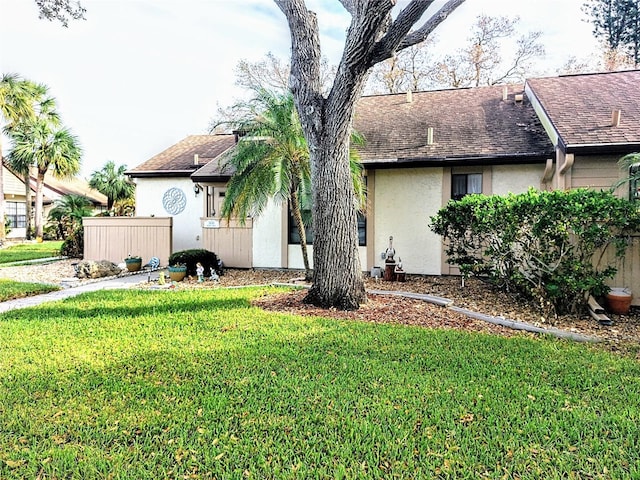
(619, 301)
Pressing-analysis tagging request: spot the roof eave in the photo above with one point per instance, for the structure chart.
(457, 161)
(159, 173)
(602, 148)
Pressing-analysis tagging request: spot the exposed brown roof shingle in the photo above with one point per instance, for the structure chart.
(467, 123)
(580, 106)
(179, 158)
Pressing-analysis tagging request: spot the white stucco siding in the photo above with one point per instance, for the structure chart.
(268, 238)
(404, 201)
(186, 224)
(295, 256)
(515, 178)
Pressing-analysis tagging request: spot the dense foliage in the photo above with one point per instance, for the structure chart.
(73, 246)
(189, 258)
(547, 245)
(617, 24)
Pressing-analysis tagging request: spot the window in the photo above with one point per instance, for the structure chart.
(294, 238)
(464, 184)
(214, 197)
(17, 214)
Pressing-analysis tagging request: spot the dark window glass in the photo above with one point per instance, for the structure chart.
(464, 184)
(294, 237)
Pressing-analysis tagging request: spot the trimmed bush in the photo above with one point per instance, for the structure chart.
(545, 245)
(73, 246)
(191, 257)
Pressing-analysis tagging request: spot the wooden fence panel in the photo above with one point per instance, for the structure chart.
(232, 242)
(628, 274)
(114, 238)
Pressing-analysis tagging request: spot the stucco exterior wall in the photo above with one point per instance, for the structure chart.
(404, 201)
(268, 238)
(515, 178)
(186, 224)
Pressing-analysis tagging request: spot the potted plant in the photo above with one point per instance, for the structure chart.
(177, 272)
(133, 263)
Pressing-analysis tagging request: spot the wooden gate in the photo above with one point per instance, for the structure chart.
(231, 241)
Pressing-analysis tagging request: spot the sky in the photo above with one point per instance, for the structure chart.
(137, 76)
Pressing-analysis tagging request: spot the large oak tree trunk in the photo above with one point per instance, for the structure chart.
(337, 274)
(373, 36)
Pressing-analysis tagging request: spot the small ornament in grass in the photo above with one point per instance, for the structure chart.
(214, 276)
(200, 272)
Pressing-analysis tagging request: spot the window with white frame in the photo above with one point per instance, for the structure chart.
(16, 214)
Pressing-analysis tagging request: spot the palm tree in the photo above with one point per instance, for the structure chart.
(16, 104)
(48, 147)
(44, 109)
(631, 165)
(68, 212)
(113, 183)
(271, 161)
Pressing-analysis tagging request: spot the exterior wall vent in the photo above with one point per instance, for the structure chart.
(430, 136)
(505, 93)
(615, 118)
(196, 159)
(518, 97)
(409, 96)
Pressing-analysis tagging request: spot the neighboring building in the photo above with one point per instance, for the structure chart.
(53, 189)
(422, 149)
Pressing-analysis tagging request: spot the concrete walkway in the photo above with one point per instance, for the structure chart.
(134, 279)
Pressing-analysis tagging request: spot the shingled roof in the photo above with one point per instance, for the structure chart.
(470, 126)
(179, 159)
(580, 108)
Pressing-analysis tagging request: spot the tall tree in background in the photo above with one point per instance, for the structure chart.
(113, 183)
(494, 54)
(481, 61)
(44, 108)
(16, 105)
(413, 68)
(617, 24)
(48, 147)
(372, 37)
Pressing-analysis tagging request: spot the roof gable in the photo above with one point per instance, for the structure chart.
(580, 107)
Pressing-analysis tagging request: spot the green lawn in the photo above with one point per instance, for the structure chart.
(198, 384)
(30, 251)
(10, 289)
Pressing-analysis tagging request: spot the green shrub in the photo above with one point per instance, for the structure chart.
(73, 245)
(191, 257)
(546, 245)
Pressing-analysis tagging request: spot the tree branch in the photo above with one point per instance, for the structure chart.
(305, 76)
(423, 32)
